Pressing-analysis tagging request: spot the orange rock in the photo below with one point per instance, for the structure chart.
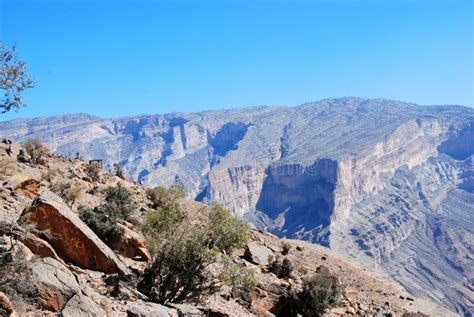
(6, 307)
(131, 245)
(70, 237)
(29, 188)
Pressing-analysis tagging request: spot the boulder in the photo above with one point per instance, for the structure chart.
(82, 306)
(29, 188)
(53, 283)
(36, 245)
(187, 310)
(146, 309)
(257, 254)
(131, 245)
(71, 238)
(6, 307)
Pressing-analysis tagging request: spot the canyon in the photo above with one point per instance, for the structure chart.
(386, 183)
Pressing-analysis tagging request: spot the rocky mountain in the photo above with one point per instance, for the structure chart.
(387, 183)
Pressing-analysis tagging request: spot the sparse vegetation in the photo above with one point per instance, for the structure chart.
(35, 151)
(319, 293)
(166, 196)
(240, 278)
(118, 202)
(94, 171)
(67, 191)
(14, 80)
(280, 268)
(50, 174)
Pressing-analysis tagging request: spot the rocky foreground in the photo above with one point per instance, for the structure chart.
(61, 267)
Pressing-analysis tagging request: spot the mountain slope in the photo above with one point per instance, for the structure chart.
(382, 181)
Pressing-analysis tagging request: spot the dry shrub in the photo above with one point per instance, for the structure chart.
(7, 168)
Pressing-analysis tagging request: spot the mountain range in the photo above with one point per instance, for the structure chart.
(387, 183)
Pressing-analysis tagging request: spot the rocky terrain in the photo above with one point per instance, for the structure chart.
(387, 183)
(67, 270)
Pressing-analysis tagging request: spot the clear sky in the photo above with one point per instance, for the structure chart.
(116, 58)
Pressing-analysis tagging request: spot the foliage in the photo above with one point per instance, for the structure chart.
(93, 170)
(118, 202)
(103, 224)
(35, 151)
(240, 278)
(50, 174)
(68, 192)
(178, 271)
(285, 248)
(163, 196)
(225, 231)
(118, 171)
(281, 269)
(103, 220)
(14, 80)
(319, 293)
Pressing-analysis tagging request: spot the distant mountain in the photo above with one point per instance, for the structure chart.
(386, 182)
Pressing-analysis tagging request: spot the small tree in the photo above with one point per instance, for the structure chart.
(68, 192)
(285, 248)
(225, 231)
(103, 224)
(14, 80)
(35, 151)
(118, 201)
(280, 268)
(181, 255)
(163, 196)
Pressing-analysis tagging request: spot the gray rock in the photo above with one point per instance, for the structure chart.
(146, 309)
(257, 254)
(53, 283)
(82, 306)
(187, 310)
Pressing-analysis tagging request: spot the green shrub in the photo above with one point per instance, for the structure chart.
(118, 202)
(163, 196)
(35, 151)
(319, 293)
(240, 278)
(281, 269)
(225, 231)
(181, 255)
(103, 224)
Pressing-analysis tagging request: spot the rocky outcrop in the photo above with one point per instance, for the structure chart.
(257, 254)
(71, 238)
(53, 283)
(145, 309)
(82, 306)
(131, 245)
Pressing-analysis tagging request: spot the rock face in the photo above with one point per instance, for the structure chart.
(70, 237)
(54, 283)
(80, 305)
(386, 182)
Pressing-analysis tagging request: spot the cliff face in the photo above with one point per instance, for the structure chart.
(385, 182)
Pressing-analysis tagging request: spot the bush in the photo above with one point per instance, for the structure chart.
(69, 193)
(50, 174)
(240, 278)
(35, 151)
(93, 170)
(285, 248)
(103, 219)
(319, 293)
(225, 231)
(103, 224)
(118, 171)
(181, 255)
(118, 202)
(281, 269)
(163, 196)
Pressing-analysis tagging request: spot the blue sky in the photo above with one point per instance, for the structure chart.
(116, 58)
